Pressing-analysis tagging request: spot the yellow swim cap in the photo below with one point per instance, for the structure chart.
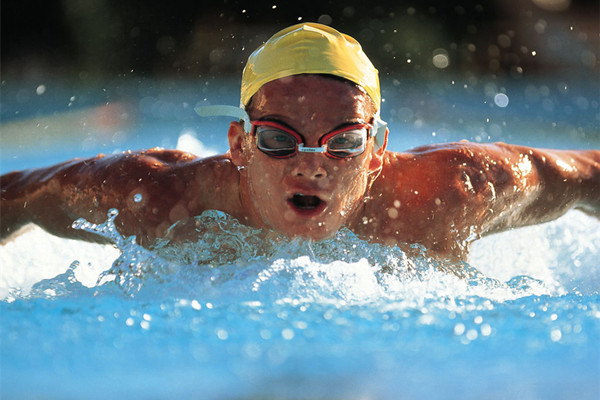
(309, 48)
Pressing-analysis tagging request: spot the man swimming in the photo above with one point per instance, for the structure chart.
(308, 156)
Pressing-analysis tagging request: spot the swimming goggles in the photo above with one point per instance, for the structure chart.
(280, 141)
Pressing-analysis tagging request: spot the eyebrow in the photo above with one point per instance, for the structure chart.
(269, 118)
(276, 120)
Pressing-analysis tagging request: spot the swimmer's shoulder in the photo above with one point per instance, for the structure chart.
(174, 157)
(424, 159)
(446, 154)
(162, 166)
(167, 159)
(204, 171)
(437, 168)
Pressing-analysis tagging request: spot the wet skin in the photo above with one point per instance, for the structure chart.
(309, 195)
(442, 196)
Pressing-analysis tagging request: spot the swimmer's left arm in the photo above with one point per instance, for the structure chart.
(579, 170)
(548, 183)
(443, 195)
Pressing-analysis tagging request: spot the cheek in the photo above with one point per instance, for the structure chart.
(260, 179)
(352, 183)
(264, 177)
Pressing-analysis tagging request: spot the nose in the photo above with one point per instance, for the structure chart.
(309, 166)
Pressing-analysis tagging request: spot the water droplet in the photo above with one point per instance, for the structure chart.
(252, 350)
(472, 334)
(501, 100)
(325, 19)
(459, 329)
(265, 334)
(137, 197)
(486, 330)
(504, 40)
(287, 334)
(196, 305)
(222, 334)
(440, 58)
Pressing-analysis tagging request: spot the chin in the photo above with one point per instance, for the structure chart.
(309, 232)
(315, 236)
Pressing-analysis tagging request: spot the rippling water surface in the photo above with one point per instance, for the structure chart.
(239, 313)
(236, 313)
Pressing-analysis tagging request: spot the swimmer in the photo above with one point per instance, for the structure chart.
(307, 156)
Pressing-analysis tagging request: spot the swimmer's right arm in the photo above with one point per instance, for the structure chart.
(32, 196)
(54, 197)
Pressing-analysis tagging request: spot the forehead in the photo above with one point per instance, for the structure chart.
(311, 100)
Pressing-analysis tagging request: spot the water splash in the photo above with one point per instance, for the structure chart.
(135, 262)
(214, 238)
(61, 285)
(221, 300)
(213, 255)
(107, 229)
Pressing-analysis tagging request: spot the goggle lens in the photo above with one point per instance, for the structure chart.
(280, 142)
(347, 143)
(276, 142)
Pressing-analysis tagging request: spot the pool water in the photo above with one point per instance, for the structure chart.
(244, 314)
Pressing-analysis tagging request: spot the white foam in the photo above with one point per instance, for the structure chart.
(36, 255)
(557, 256)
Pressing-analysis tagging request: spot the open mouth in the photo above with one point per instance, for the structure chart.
(305, 202)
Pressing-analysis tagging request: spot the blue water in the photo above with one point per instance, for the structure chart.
(68, 121)
(244, 314)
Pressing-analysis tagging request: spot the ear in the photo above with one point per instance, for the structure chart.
(377, 158)
(236, 136)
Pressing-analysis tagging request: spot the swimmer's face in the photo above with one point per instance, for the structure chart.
(309, 195)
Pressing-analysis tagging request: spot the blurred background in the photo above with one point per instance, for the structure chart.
(106, 75)
(85, 39)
